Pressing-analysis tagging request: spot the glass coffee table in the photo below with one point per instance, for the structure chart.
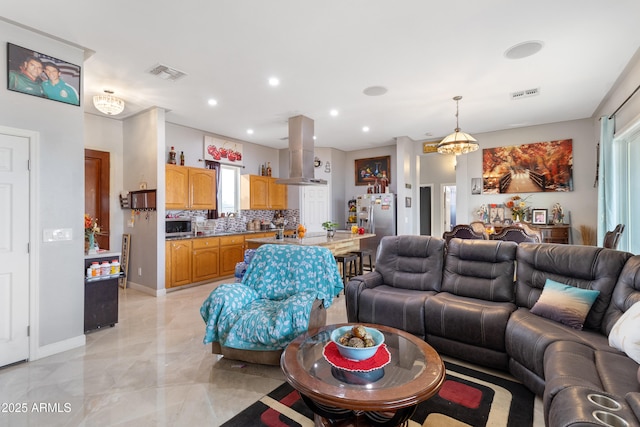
(384, 396)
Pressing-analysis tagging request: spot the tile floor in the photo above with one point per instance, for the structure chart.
(151, 369)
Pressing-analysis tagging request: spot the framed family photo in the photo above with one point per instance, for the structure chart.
(38, 74)
(539, 216)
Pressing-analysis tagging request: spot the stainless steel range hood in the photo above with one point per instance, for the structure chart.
(301, 155)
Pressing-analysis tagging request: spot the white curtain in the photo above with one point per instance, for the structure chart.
(605, 178)
(619, 183)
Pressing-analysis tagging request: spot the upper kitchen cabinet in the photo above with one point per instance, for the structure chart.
(262, 192)
(190, 188)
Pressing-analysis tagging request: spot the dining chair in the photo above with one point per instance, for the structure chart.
(514, 233)
(462, 231)
(612, 238)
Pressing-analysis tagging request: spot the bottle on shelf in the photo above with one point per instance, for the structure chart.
(172, 156)
(268, 168)
(262, 170)
(369, 189)
(182, 158)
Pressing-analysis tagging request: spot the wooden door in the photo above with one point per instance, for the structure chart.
(176, 187)
(96, 192)
(277, 195)
(14, 252)
(259, 192)
(202, 188)
(181, 262)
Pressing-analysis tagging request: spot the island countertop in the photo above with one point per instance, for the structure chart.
(342, 241)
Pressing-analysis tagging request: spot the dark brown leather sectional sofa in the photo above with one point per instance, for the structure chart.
(472, 300)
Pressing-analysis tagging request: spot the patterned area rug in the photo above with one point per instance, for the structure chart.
(467, 398)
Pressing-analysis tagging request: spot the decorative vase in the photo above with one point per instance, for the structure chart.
(92, 244)
(331, 233)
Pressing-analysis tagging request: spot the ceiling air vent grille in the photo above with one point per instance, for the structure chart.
(525, 93)
(166, 73)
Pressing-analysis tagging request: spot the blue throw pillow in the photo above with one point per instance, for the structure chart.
(565, 304)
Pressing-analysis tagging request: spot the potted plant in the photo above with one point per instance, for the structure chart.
(330, 226)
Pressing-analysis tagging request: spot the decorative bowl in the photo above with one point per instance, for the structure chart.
(357, 353)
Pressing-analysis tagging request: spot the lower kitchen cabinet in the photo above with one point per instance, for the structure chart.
(231, 253)
(179, 256)
(206, 259)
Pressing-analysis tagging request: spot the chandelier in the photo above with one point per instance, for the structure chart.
(458, 142)
(108, 104)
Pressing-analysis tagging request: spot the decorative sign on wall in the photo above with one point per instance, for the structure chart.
(528, 168)
(38, 74)
(220, 150)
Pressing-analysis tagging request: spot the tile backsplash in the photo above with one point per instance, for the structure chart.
(237, 223)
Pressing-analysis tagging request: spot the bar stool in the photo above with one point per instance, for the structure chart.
(361, 254)
(347, 260)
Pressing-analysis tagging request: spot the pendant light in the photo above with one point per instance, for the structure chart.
(108, 104)
(458, 142)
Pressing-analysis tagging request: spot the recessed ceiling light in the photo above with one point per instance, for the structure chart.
(212, 102)
(375, 90)
(524, 49)
(365, 128)
(274, 81)
(334, 112)
(250, 131)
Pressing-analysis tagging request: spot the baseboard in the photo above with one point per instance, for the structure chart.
(146, 289)
(58, 347)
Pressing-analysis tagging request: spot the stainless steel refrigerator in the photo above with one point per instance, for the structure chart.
(377, 214)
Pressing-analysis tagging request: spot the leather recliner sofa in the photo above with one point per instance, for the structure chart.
(479, 310)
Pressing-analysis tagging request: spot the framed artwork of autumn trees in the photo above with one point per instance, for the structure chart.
(528, 168)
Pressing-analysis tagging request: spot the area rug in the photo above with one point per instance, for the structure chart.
(467, 398)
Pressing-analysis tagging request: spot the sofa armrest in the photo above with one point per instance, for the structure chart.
(354, 288)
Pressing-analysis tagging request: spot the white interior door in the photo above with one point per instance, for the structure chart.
(315, 207)
(14, 255)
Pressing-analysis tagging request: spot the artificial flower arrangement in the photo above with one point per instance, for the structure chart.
(90, 229)
(518, 207)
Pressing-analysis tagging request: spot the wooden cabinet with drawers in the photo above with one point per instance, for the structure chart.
(206, 259)
(189, 188)
(554, 233)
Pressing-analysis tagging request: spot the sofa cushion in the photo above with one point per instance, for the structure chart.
(468, 320)
(625, 294)
(565, 304)
(625, 334)
(586, 267)
(482, 269)
(411, 262)
(396, 307)
(528, 336)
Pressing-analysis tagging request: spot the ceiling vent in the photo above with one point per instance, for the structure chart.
(166, 73)
(525, 93)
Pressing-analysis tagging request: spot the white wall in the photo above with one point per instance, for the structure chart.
(144, 137)
(105, 134)
(581, 202)
(59, 284)
(435, 170)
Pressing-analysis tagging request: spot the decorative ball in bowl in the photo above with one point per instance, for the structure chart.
(357, 342)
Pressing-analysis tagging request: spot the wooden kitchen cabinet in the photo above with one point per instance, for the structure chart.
(179, 256)
(190, 188)
(206, 259)
(262, 192)
(231, 253)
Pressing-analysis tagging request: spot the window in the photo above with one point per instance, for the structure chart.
(229, 189)
(626, 182)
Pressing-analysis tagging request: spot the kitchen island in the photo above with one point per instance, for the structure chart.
(341, 242)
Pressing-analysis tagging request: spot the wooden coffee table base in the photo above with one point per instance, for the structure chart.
(337, 417)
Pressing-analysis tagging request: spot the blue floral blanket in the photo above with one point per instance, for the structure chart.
(272, 304)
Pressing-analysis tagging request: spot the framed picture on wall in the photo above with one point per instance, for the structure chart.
(42, 75)
(372, 169)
